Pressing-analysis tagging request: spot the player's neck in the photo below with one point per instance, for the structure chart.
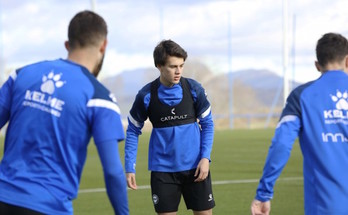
(85, 58)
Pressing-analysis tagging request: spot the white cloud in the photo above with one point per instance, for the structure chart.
(36, 31)
(116, 62)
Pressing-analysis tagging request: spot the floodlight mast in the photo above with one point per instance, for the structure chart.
(230, 77)
(293, 52)
(285, 51)
(93, 5)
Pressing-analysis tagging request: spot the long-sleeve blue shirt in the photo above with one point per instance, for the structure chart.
(316, 112)
(53, 109)
(176, 148)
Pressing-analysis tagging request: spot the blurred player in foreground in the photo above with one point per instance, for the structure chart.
(179, 148)
(53, 108)
(317, 113)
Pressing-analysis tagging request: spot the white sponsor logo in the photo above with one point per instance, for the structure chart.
(331, 114)
(340, 114)
(169, 118)
(43, 100)
(341, 100)
(51, 82)
(334, 137)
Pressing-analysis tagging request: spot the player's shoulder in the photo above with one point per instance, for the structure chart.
(301, 88)
(99, 90)
(46, 65)
(145, 90)
(194, 85)
(33, 65)
(192, 81)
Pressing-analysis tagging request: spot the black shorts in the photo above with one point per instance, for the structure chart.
(167, 187)
(7, 209)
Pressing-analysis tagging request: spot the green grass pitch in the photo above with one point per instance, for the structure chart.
(238, 157)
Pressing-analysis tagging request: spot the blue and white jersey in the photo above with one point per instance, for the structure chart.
(171, 148)
(53, 109)
(316, 112)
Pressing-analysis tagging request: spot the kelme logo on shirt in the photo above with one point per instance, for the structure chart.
(341, 100)
(51, 82)
(340, 113)
(42, 99)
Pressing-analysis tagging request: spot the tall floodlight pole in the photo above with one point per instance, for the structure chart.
(161, 25)
(230, 78)
(285, 50)
(293, 50)
(93, 5)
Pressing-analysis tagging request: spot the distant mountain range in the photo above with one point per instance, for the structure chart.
(254, 92)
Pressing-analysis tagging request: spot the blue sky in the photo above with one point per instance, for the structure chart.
(36, 30)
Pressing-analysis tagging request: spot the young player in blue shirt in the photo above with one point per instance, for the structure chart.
(317, 113)
(53, 109)
(181, 139)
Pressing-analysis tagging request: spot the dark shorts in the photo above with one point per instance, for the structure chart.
(7, 209)
(167, 187)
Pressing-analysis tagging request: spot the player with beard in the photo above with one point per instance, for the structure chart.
(53, 109)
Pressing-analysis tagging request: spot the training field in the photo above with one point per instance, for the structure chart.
(237, 161)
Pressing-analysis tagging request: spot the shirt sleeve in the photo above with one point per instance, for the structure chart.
(203, 110)
(131, 145)
(115, 179)
(6, 99)
(136, 118)
(278, 155)
(4, 116)
(207, 134)
(105, 120)
(286, 132)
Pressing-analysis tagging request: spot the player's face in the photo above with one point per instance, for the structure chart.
(171, 72)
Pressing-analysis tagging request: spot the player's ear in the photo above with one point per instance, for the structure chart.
(159, 67)
(103, 46)
(346, 63)
(66, 44)
(317, 65)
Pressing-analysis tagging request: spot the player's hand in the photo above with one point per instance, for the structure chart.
(131, 181)
(202, 170)
(260, 208)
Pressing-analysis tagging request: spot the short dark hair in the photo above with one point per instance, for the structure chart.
(331, 47)
(165, 49)
(86, 28)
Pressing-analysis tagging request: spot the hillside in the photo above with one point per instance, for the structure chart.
(254, 92)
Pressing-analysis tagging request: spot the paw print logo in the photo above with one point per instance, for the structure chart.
(341, 100)
(51, 82)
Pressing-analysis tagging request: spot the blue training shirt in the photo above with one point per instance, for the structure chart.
(53, 109)
(316, 112)
(175, 148)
